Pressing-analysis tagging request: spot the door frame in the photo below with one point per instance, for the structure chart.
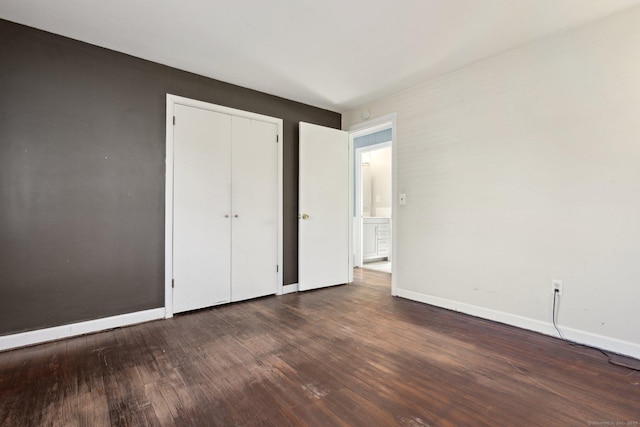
(173, 100)
(370, 126)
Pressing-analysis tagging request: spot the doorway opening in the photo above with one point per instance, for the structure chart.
(373, 201)
(373, 193)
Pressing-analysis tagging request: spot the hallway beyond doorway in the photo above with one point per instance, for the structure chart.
(384, 266)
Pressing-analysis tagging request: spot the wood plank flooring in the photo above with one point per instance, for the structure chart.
(344, 356)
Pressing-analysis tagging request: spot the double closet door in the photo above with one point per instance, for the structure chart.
(225, 212)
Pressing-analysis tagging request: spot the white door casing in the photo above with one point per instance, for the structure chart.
(324, 189)
(370, 126)
(219, 170)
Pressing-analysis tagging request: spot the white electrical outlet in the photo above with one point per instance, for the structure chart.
(556, 285)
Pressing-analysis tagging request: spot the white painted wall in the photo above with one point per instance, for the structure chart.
(521, 169)
(380, 164)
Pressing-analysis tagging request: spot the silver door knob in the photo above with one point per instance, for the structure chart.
(236, 216)
(305, 216)
(226, 216)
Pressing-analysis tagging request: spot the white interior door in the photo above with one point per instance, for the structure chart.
(202, 197)
(254, 183)
(323, 227)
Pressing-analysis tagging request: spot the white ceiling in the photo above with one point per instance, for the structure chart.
(334, 54)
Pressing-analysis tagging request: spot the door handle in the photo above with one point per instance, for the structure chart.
(304, 216)
(236, 216)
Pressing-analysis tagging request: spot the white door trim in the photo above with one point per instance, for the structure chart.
(172, 100)
(365, 128)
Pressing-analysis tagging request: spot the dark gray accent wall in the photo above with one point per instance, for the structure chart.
(82, 149)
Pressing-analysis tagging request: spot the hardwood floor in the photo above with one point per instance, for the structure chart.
(343, 356)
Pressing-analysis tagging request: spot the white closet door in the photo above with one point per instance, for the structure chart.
(254, 241)
(202, 182)
(323, 229)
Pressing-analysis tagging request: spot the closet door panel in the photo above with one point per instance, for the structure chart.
(254, 241)
(202, 182)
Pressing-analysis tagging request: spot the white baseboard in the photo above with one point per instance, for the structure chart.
(582, 337)
(289, 289)
(23, 339)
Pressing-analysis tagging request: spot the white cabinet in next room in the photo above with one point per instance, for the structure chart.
(376, 238)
